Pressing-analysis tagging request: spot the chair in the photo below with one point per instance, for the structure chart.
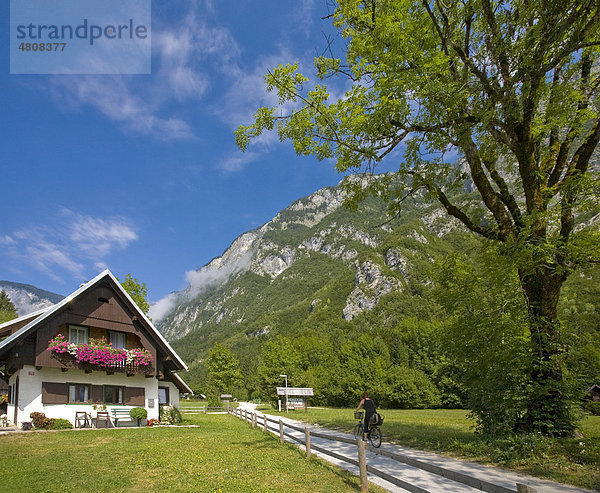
(82, 420)
(102, 416)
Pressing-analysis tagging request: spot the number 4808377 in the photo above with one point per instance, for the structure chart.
(42, 46)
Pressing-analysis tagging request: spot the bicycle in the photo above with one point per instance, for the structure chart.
(374, 434)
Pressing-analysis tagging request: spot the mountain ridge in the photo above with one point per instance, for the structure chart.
(28, 298)
(314, 228)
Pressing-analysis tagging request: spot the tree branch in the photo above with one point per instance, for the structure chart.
(461, 215)
(488, 195)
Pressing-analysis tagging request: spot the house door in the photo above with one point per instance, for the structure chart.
(16, 400)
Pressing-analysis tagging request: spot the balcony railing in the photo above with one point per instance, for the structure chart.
(98, 355)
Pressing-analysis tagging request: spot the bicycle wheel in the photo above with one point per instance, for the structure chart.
(375, 437)
(358, 431)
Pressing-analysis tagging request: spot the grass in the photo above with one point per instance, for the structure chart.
(574, 461)
(222, 454)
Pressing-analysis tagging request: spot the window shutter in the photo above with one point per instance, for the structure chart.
(135, 396)
(97, 394)
(54, 393)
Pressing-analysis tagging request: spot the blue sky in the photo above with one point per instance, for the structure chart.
(140, 173)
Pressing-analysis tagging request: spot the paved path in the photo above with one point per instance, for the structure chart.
(428, 482)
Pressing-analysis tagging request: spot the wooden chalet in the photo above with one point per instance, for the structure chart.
(60, 385)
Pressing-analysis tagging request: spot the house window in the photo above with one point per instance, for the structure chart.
(78, 334)
(117, 339)
(163, 395)
(113, 394)
(79, 393)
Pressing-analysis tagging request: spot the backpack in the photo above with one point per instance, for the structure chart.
(376, 419)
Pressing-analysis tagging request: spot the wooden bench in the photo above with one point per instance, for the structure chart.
(120, 414)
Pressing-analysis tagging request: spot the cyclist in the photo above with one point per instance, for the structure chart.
(369, 406)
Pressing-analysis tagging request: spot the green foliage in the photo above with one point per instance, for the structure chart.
(487, 335)
(138, 413)
(138, 292)
(223, 370)
(592, 407)
(471, 77)
(455, 333)
(7, 308)
(61, 424)
(407, 388)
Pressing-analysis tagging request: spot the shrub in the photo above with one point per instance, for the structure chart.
(61, 424)
(26, 425)
(138, 413)
(41, 421)
(169, 415)
(592, 407)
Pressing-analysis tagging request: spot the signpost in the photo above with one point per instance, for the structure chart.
(298, 396)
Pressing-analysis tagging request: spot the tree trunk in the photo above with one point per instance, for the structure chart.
(549, 398)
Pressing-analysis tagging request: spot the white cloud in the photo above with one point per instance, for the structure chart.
(115, 99)
(216, 272)
(236, 161)
(163, 307)
(97, 237)
(180, 74)
(7, 240)
(304, 15)
(72, 243)
(38, 247)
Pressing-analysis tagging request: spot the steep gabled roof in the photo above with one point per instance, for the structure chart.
(24, 317)
(5, 328)
(48, 312)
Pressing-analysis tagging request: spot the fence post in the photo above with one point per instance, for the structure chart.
(307, 440)
(362, 464)
(521, 488)
(281, 436)
(245, 415)
(265, 423)
(253, 420)
(204, 409)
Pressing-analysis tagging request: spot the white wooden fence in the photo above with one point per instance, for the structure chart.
(264, 422)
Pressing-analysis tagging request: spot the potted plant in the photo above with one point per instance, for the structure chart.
(138, 413)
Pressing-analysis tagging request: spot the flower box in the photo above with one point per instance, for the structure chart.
(98, 352)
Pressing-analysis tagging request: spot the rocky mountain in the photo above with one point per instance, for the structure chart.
(319, 285)
(28, 298)
(314, 257)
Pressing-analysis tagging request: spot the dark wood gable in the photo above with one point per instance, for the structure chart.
(101, 309)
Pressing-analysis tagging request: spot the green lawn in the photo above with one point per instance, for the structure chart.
(222, 454)
(570, 460)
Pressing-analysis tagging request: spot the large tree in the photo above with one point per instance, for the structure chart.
(512, 86)
(223, 370)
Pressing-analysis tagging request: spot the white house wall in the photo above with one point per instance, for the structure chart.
(30, 392)
(173, 393)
